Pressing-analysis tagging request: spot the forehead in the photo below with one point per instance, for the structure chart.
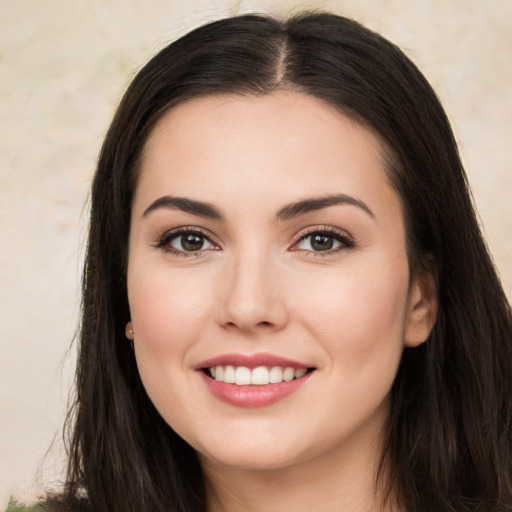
(288, 113)
(286, 142)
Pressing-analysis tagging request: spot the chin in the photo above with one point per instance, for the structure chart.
(256, 459)
(251, 449)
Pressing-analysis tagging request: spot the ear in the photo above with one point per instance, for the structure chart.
(423, 306)
(129, 331)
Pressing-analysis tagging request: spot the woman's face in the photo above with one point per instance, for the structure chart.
(266, 245)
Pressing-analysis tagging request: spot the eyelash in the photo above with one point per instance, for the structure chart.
(345, 241)
(165, 240)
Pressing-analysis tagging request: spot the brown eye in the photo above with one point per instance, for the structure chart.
(191, 242)
(188, 242)
(322, 242)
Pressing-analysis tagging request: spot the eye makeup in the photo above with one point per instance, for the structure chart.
(323, 241)
(194, 241)
(186, 241)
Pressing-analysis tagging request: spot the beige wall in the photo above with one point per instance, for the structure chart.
(63, 66)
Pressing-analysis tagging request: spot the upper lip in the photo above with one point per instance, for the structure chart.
(251, 361)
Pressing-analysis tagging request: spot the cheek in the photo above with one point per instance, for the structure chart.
(359, 316)
(166, 310)
(168, 318)
(168, 314)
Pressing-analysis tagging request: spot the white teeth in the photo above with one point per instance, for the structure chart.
(300, 373)
(242, 376)
(229, 374)
(219, 373)
(260, 376)
(288, 374)
(276, 375)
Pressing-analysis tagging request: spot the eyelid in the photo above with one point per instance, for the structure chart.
(163, 240)
(346, 239)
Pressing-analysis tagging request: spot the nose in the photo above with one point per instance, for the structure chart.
(252, 297)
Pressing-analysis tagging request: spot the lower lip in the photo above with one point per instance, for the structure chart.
(253, 396)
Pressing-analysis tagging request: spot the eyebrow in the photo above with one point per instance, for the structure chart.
(319, 203)
(186, 205)
(286, 213)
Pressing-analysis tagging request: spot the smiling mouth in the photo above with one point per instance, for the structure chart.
(259, 376)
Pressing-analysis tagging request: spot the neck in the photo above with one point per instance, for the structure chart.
(343, 479)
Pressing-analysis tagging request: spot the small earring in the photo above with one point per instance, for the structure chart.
(129, 331)
(419, 338)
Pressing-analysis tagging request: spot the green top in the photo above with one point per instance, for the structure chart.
(16, 507)
(78, 505)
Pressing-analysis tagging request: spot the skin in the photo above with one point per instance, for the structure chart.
(258, 285)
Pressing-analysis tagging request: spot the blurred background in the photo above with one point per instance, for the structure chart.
(63, 67)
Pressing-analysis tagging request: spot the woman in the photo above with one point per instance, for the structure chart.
(287, 301)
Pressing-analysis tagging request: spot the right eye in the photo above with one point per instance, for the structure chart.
(190, 243)
(185, 242)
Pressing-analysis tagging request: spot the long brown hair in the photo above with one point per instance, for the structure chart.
(449, 440)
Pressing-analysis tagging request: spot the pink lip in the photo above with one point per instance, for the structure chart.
(253, 396)
(251, 361)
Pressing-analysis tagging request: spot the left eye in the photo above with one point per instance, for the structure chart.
(190, 242)
(322, 242)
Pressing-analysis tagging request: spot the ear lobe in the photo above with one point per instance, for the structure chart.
(423, 306)
(129, 331)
